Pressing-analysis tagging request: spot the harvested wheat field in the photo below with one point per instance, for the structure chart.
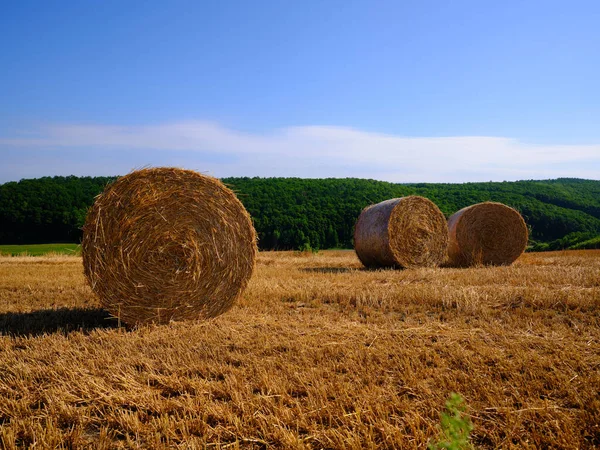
(317, 353)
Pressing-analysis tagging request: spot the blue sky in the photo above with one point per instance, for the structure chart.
(399, 91)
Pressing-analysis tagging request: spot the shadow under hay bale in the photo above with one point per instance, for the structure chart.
(403, 233)
(64, 320)
(487, 233)
(327, 269)
(168, 244)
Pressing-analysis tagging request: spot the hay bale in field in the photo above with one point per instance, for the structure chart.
(167, 244)
(487, 233)
(401, 232)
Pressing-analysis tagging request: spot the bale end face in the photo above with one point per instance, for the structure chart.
(167, 244)
(487, 233)
(403, 232)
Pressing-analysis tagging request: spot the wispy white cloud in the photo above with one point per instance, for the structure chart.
(304, 151)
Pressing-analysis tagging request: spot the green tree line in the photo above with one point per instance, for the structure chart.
(297, 213)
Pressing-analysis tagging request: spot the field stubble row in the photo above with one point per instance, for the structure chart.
(318, 353)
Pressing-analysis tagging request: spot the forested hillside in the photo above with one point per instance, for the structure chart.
(49, 209)
(293, 213)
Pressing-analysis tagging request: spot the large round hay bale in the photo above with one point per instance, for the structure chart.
(401, 232)
(167, 244)
(487, 233)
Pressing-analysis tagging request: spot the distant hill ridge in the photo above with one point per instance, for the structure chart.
(298, 213)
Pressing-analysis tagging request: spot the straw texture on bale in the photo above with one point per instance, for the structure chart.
(167, 244)
(487, 233)
(401, 232)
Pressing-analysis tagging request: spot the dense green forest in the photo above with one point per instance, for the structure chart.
(295, 213)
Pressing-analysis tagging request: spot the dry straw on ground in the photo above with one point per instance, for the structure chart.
(316, 354)
(401, 232)
(486, 233)
(168, 244)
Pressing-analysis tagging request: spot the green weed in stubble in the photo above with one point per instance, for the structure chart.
(455, 426)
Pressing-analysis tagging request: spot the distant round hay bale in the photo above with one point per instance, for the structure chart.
(487, 233)
(401, 232)
(167, 244)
